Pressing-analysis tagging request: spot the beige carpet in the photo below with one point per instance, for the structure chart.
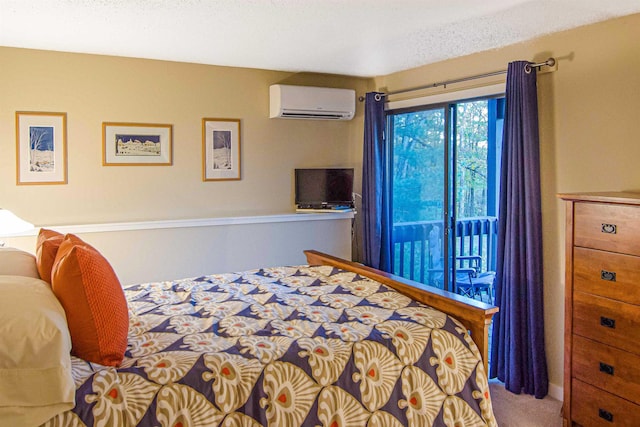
(523, 410)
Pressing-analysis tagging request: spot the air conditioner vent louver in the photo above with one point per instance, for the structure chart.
(324, 115)
(309, 102)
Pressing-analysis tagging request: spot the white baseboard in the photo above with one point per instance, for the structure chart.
(556, 391)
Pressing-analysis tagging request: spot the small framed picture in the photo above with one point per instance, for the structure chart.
(136, 144)
(220, 149)
(41, 148)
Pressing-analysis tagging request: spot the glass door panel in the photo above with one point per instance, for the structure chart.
(418, 190)
(478, 136)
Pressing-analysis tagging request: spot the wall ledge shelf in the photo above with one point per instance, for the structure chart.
(187, 223)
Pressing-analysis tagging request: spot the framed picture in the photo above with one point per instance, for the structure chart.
(41, 148)
(136, 144)
(220, 149)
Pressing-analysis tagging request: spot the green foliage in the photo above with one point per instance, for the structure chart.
(418, 173)
(418, 162)
(471, 150)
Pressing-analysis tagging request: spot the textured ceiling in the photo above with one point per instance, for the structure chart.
(353, 37)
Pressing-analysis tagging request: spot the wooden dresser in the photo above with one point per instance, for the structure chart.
(602, 310)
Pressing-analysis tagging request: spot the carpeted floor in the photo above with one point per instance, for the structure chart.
(523, 410)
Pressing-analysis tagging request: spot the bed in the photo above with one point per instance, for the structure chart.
(331, 343)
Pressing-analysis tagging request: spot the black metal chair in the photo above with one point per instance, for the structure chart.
(471, 281)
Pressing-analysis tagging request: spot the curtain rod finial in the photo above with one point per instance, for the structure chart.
(378, 97)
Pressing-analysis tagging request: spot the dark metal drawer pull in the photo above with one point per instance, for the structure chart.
(607, 322)
(605, 415)
(607, 369)
(609, 276)
(609, 228)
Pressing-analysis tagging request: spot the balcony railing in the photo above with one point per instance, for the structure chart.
(417, 246)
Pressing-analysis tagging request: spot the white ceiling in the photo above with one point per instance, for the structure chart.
(352, 37)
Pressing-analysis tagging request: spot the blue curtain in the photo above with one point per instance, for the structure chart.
(375, 198)
(518, 354)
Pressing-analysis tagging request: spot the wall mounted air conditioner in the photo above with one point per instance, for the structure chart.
(309, 102)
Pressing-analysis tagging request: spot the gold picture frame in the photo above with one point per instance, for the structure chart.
(137, 144)
(221, 149)
(41, 148)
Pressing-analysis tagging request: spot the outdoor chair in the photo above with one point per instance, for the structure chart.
(471, 281)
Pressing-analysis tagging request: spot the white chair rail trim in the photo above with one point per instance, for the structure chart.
(195, 222)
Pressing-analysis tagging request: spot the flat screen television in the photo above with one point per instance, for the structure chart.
(324, 188)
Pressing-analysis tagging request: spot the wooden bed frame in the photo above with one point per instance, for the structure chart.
(475, 315)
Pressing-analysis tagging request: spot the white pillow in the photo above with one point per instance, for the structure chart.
(35, 345)
(14, 262)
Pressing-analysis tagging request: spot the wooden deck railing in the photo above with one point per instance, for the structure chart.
(417, 246)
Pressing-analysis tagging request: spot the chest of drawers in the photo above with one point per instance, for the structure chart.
(602, 310)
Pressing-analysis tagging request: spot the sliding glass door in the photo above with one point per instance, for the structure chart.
(444, 163)
(419, 175)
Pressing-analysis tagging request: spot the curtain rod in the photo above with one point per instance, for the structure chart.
(549, 63)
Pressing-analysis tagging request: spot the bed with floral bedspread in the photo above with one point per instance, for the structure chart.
(290, 346)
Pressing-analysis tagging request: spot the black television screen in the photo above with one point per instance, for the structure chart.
(316, 188)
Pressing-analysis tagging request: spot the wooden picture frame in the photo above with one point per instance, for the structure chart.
(136, 144)
(41, 148)
(220, 149)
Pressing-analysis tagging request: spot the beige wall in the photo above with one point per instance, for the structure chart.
(93, 89)
(589, 118)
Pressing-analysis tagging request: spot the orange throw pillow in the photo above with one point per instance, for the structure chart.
(46, 249)
(93, 300)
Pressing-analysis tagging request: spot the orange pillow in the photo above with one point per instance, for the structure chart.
(93, 300)
(46, 249)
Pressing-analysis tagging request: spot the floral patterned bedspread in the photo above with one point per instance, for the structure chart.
(291, 346)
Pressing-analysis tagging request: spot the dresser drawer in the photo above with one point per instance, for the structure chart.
(610, 369)
(591, 406)
(608, 227)
(608, 274)
(607, 321)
